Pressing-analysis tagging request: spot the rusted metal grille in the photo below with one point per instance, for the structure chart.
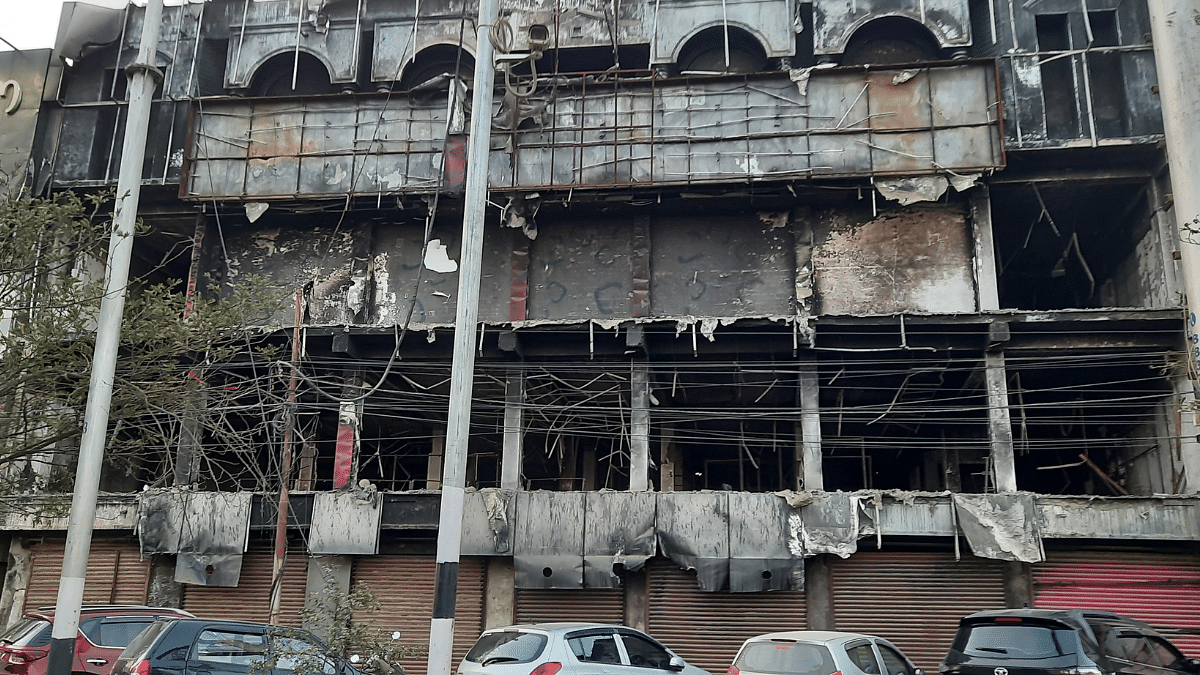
(403, 585)
(601, 605)
(1161, 589)
(707, 629)
(913, 599)
(605, 132)
(251, 600)
(115, 573)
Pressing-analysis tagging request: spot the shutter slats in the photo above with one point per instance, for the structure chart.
(606, 605)
(707, 629)
(913, 599)
(251, 599)
(116, 574)
(403, 585)
(1161, 589)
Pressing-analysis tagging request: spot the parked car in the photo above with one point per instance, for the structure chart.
(104, 630)
(214, 647)
(1061, 642)
(571, 649)
(814, 652)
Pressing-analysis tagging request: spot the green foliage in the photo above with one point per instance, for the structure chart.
(52, 254)
(343, 621)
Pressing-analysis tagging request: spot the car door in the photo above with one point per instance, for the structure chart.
(862, 655)
(597, 651)
(102, 639)
(221, 650)
(299, 654)
(645, 656)
(1138, 652)
(893, 660)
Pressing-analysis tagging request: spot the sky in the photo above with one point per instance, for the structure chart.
(32, 24)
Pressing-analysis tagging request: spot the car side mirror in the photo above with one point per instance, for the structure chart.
(918, 671)
(1192, 665)
(676, 663)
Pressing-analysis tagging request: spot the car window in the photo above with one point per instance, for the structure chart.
(1017, 641)
(295, 653)
(119, 632)
(1138, 647)
(231, 647)
(28, 632)
(863, 656)
(507, 647)
(645, 653)
(785, 658)
(595, 648)
(893, 662)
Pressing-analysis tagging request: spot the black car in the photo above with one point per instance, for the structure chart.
(215, 647)
(1061, 642)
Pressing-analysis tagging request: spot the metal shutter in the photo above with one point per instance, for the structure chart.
(708, 628)
(116, 573)
(913, 599)
(403, 585)
(601, 605)
(251, 599)
(1161, 589)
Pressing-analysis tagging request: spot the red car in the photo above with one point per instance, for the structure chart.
(104, 631)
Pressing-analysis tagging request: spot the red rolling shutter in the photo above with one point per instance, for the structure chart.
(116, 573)
(1161, 589)
(251, 599)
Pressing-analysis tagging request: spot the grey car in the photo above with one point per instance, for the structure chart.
(812, 652)
(571, 649)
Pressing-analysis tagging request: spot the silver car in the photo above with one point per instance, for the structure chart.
(571, 649)
(814, 652)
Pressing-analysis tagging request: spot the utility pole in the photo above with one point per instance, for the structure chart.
(462, 373)
(143, 77)
(1176, 34)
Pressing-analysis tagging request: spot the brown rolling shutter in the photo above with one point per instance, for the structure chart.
(708, 628)
(403, 585)
(913, 599)
(116, 574)
(251, 599)
(601, 605)
(1161, 589)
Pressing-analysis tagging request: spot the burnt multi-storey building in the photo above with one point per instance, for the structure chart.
(793, 314)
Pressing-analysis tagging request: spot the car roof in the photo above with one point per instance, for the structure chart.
(814, 636)
(1075, 616)
(556, 627)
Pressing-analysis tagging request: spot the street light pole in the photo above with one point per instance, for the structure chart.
(462, 373)
(143, 76)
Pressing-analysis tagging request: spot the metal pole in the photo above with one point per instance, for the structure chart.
(143, 76)
(462, 374)
(1177, 60)
(285, 470)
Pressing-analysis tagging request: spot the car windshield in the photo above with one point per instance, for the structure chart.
(785, 658)
(1016, 641)
(507, 646)
(28, 632)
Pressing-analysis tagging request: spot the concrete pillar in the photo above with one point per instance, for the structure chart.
(986, 277)
(639, 429)
(500, 603)
(637, 599)
(164, 591)
(1004, 468)
(1018, 585)
(818, 592)
(511, 455)
(810, 429)
(328, 581)
(1187, 419)
(16, 580)
(437, 454)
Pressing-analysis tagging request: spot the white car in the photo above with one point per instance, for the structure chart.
(571, 649)
(813, 652)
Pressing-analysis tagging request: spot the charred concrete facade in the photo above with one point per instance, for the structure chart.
(769, 287)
